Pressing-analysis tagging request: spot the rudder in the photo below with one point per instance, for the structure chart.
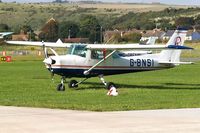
(178, 38)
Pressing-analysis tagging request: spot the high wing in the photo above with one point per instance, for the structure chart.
(60, 44)
(133, 46)
(124, 46)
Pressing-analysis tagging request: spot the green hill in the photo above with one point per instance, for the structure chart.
(15, 15)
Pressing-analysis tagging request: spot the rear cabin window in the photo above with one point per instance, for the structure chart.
(96, 54)
(99, 54)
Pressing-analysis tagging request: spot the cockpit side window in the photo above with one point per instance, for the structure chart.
(79, 50)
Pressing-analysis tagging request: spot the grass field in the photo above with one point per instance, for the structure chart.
(28, 83)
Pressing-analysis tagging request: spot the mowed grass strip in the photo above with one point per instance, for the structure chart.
(28, 83)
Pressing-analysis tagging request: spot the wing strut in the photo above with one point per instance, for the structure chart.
(88, 71)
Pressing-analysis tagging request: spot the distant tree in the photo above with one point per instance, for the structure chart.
(197, 28)
(49, 31)
(137, 26)
(0, 1)
(68, 27)
(124, 18)
(187, 22)
(4, 27)
(132, 37)
(89, 27)
(26, 28)
(197, 20)
(98, 33)
(170, 11)
(165, 24)
(149, 26)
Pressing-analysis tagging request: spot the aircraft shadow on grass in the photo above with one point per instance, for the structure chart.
(95, 85)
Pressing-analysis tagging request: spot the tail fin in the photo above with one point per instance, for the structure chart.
(177, 38)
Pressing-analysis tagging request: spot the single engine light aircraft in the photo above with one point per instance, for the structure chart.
(90, 60)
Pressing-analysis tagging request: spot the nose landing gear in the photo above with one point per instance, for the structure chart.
(61, 86)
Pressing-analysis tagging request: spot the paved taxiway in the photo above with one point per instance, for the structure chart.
(37, 120)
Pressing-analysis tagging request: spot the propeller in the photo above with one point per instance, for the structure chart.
(48, 60)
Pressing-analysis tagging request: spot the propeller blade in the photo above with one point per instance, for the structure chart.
(48, 60)
(54, 52)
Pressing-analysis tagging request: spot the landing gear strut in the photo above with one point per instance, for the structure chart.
(71, 84)
(108, 85)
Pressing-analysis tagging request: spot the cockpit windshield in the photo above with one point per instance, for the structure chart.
(79, 50)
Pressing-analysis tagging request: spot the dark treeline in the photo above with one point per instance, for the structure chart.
(169, 18)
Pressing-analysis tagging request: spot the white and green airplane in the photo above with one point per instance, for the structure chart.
(90, 60)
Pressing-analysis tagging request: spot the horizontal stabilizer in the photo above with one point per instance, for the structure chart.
(178, 47)
(168, 62)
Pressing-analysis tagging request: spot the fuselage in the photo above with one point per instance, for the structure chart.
(76, 63)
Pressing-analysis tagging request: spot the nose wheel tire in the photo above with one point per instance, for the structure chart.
(61, 87)
(73, 84)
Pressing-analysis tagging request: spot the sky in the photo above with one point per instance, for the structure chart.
(174, 2)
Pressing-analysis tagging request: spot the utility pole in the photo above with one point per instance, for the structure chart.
(30, 35)
(69, 36)
(101, 34)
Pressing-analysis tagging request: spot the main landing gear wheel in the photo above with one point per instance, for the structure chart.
(109, 85)
(61, 87)
(73, 84)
